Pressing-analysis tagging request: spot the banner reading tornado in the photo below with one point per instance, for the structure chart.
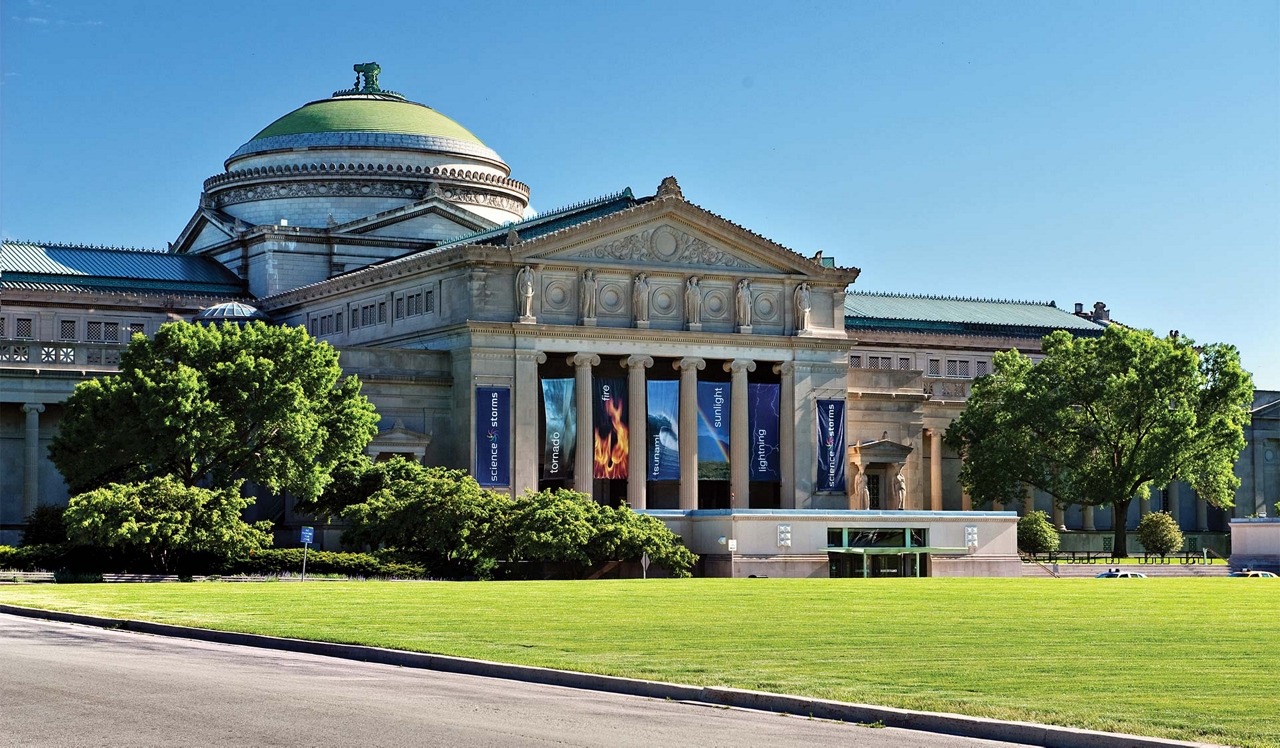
(831, 454)
(762, 415)
(560, 412)
(713, 431)
(662, 444)
(610, 418)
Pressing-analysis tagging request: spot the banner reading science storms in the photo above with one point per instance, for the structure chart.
(831, 445)
(762, 417)
(493, 436)
(561, 411)
(713, 431)
(662, 445)
(611, 438)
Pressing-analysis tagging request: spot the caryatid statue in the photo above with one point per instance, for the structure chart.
(587, 297)
(524, 292)
(900, 488)
(862, 491)
(640, 297)
(743, 303)
(804, 304)
(692, 301)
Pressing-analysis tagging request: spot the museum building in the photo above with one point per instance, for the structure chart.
(639, 349)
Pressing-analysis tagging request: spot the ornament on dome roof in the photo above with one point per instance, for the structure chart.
(369, 71)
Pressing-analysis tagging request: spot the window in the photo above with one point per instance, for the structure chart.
(136, 328)
(67, 329)
(933, 367)
(24, 328)
(337, 322)
(326, 324)
(94, 332)
(855, 362)
(879, 362)
(1164, 500)
(963, 367)
(111, 332)
(980, 368)
(399, 307)
(355, 318)
(873, 488)
(382, 312)
(313, 326)
(430, 305)
(904, 363)
(2, 327)
(952, 367)
(368, 315)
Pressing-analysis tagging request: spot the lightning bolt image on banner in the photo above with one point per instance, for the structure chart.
(762, 417)
(713, 431)
(662, 442)
(560, 413)
(830, 445)
(611, 438)
(493, 436)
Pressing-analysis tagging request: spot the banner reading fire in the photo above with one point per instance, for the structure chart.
(493, 436)
(610, 418)
(762, 415)
(560, 412)
(831, 445)
(662, 443)
(713, 431)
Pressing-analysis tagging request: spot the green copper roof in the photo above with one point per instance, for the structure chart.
(947, 314)
(122, 269)
(367, 114)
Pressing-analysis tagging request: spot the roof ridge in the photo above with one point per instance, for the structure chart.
(932, 297)
(623, 193)
(65, 245)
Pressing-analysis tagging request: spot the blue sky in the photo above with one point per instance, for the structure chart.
(1122, 152)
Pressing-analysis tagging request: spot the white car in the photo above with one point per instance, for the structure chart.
(1117, 574)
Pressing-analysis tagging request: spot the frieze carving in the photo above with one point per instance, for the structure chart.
(409, 191)
(663, 244)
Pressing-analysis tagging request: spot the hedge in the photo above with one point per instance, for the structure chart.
(289, 561)
(270, 561)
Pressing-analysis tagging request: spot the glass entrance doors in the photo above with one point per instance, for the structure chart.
(877, 565)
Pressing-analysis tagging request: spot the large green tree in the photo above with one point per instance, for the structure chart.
(211, 405)
(1101, 421)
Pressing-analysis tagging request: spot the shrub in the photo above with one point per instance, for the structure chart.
(165, 521)
(1036, 534)
(44, 526)
(289, 561)
(1159, 533)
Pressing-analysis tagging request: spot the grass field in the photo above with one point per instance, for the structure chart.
(1197, 659)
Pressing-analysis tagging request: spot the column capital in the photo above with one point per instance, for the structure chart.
(33, 407)
(740, 364)
(688, 364)
(584, 359)
(539, 357)
(785, 368)
(637, 361)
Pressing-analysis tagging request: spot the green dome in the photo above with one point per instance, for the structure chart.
(361, 114)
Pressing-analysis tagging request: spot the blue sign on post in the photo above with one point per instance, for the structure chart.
(308, 535)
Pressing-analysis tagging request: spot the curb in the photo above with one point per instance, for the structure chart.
(1027, 733)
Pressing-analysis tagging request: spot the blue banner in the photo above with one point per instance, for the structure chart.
(713, 431)
(831, 455)
(493, 436)
(662, 443)
(762, 417)
(612, 440)
(560, 413)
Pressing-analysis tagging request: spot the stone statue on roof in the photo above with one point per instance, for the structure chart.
(587, 298)
(640, 297)
(804, 304)
(693, 301)
(743, 303)
(524, 293)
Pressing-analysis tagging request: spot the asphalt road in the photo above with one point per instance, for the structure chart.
(62, 684)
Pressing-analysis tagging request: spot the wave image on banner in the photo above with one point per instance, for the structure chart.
(493, 436)
(611, 437)
(831, 445)
(763, 420)
(713, 431)
(560, 412)
(662, 441)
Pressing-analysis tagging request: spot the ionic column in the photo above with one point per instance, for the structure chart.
(584, 452)
(1175, 503)
(1202, 515)
(1144, 507)
(1086, 522)
(525, 475)
(935, 470)
(1059, 518)
(739, 439)
(689, 368)
(636, 423)
(31, 470)
(787, 433)
(1028, 500)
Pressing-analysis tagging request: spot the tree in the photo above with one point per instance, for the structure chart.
(354, 480)
(166, 521)
(1159, 533)
(554, 526)
(625, 535)
(441, 518)
(1036, 534)
(210, 405)
(44, 526)
(1101, 421)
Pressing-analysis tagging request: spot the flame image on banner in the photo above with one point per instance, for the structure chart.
(611, 445)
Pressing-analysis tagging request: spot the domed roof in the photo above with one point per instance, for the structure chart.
(234, 312)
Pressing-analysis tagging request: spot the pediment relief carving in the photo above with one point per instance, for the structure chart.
(662, 245)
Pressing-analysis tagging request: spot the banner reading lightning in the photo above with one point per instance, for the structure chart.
(560, 412)
(611, 437)
(762, 415)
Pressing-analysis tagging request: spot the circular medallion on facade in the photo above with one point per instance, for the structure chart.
(556, 296)
(365, 190)
(715, 304)
(664, 301)
(611, 298)
(664, 243)
(766, 307)
(1271, 455)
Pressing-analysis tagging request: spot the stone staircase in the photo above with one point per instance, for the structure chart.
(1081, 571)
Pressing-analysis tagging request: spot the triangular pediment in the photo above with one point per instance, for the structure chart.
(206, 228)
(432, 218)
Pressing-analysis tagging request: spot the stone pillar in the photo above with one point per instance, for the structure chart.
(935, 470)
(689, 368)
(1202, 515)
(525, 475)
(1144, 507)
(1028, 500)
(1059, 518)
(1086, 522)
(739, 439)
(1259, 467)
(584, 451)
(1175, 503)
(636, 424)
(787, 433)
(31, 474)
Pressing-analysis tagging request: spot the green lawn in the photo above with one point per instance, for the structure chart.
(1196, 659)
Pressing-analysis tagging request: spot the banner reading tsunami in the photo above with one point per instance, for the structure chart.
(762, 415)
(493, 436)
(831, 445)
(662, 441)
(713, 431)
(560, 412)
(610, 418)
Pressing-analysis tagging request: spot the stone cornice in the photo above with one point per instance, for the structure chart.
(389, 171)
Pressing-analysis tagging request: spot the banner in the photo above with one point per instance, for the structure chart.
(493, 436)
(762, 417)
(662, 444)
(831, 454)
(560, 413)
(610, 418)
(713, 431)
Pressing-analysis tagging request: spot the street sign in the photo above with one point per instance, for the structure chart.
(733, 545)
(308, 535)
(644, 564)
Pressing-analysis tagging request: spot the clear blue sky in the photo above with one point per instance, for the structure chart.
(1122, 152)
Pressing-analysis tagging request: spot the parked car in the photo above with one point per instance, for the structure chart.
(1118, 574)
(1252, 573)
